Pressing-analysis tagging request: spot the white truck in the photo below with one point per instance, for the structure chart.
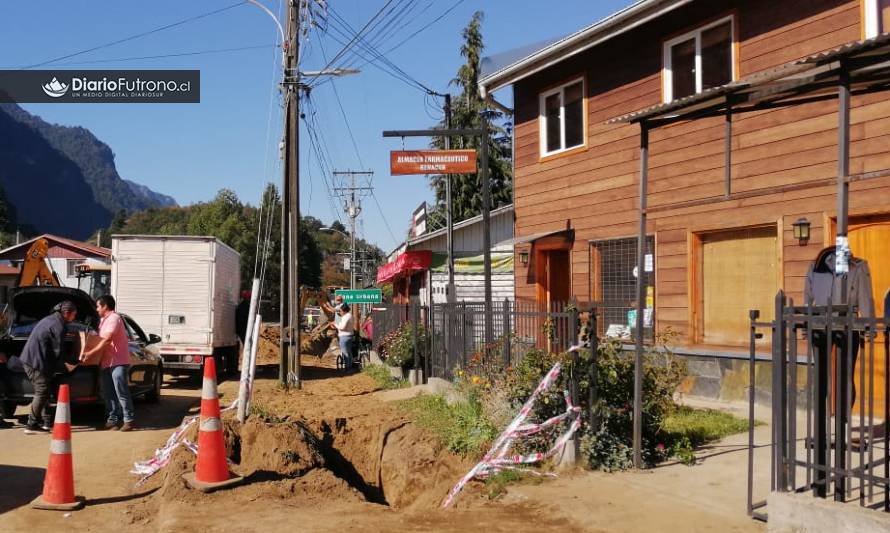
(183, 288)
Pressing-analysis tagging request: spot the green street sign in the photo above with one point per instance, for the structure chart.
(360, 296)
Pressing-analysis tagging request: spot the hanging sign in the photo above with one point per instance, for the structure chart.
(405, 162)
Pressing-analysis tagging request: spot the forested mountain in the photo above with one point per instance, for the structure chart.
(63, 179)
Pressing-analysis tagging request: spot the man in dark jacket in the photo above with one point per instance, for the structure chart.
(41, 357)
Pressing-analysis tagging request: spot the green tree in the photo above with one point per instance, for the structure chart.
(468, 111)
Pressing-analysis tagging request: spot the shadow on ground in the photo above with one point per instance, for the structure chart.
(28, 483)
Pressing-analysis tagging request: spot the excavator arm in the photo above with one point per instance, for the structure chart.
(36, 269)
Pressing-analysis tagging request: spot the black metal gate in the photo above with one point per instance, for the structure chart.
(827, 437)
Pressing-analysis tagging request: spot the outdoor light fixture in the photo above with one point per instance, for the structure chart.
(523, 258)
(802, 231)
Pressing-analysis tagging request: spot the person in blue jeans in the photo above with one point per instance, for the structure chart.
(115, 349)
(345, 326)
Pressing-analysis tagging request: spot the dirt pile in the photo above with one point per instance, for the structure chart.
(342, 447)
(316, 342)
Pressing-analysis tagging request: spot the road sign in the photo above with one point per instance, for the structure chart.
(403, 162)
(360, 296)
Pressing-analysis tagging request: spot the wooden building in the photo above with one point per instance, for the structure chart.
(577, 176)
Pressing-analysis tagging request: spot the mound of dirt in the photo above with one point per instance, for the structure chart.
(316, 342)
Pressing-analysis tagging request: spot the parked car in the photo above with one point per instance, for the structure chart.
(27, 305)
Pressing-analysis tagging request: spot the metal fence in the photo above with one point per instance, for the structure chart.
(830, 402)
(458, 332)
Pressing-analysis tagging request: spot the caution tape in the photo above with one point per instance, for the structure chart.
(162, 456)
(497, 459)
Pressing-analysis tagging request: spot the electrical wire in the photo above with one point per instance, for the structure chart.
(357, 36)
(135, 36)
(163, 56)
(416, 33)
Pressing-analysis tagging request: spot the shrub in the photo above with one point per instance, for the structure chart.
(607, 446)
(397, 347)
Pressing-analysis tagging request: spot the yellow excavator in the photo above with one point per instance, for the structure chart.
(36, 270)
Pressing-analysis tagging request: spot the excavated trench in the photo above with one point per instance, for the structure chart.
(381, 460)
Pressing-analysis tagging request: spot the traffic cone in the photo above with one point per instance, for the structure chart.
(212, 470)
(58, 484)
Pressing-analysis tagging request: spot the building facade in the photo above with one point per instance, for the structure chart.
(63, 254)
(577, 176)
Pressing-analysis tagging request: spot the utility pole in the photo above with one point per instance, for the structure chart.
(449, 223)
(289, 369)
(353, 209)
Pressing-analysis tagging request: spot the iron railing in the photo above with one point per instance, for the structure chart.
(829, 429)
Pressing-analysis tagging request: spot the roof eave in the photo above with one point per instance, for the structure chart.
(593, 35)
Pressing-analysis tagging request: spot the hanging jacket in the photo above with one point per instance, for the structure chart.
(823, 287)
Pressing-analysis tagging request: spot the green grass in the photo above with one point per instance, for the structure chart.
(380, 374)
(701, 426)
(461, 427)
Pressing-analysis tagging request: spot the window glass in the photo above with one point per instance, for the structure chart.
(551, 116)
(716, 56)
(683, 69)
(574, 114)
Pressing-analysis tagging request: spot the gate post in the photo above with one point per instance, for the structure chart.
(780, 395)
(506, 335)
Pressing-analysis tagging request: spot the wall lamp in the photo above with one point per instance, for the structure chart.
(523, 258)
(802, 231)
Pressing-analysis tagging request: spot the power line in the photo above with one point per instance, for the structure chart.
(435, 20)
(162, 56)
(385, 221)
(136, 36)
(357, 36)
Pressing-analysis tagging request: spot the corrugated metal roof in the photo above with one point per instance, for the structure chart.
(772, 82)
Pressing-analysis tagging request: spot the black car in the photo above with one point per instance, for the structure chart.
(27, 305)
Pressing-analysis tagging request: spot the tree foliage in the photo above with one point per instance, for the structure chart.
(255, 233)
(468, 111)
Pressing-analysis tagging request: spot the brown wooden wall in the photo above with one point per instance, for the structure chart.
(595, 188)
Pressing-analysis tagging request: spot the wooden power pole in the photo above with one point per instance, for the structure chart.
(289, 370)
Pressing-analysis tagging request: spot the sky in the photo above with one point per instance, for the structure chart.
(230, 139)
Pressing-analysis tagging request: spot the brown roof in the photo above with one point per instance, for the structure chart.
(6, 270)
(58, 247)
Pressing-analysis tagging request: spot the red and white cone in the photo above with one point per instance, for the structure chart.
(58, 484)
(212, 469)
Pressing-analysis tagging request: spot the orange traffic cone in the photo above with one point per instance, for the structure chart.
(212, 470)
(58, 484)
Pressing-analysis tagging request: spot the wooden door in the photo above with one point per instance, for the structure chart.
(738, 272)
(870, 240)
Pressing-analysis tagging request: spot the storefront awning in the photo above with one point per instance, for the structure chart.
(569, 234)
(405, 264)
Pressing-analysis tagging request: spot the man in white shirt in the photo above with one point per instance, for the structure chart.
(345, 326)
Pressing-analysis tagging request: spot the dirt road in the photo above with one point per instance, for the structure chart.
(329, 457)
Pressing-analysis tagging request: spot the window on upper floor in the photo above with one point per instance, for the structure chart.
(562, 117)
(876, 17)
(699, 60)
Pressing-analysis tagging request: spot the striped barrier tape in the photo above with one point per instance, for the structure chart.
(162, 456)
(497, 460)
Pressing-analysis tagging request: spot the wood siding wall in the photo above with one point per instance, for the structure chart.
(595, 189)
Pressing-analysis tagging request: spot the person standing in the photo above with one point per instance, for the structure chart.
(41, 357)
(242, 313)
(345, 326)
(115, 363)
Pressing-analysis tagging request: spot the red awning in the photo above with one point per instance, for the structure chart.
(405, 263)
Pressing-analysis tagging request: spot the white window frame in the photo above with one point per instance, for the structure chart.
(542, 117)
(872, 18)
(667, 74)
